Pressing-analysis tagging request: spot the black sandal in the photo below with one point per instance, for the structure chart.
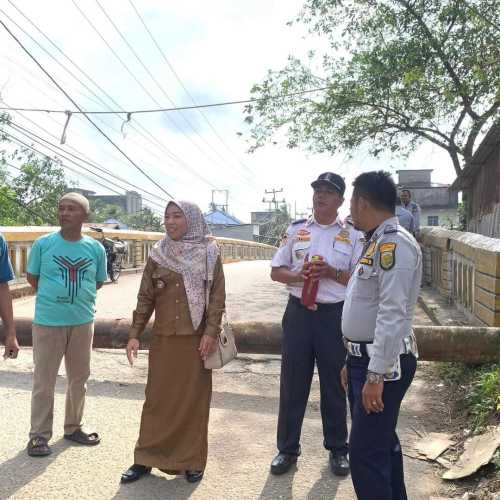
(82, 437)
(38, 447)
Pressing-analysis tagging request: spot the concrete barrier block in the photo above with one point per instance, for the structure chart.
(490, 283)
(486, 315)
(487, 262)
(488, 299)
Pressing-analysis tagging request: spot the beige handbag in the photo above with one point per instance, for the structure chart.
(225, 348)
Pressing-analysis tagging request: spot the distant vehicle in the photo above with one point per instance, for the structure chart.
(116, 253)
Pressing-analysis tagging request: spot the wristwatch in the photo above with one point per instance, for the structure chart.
(374, 378)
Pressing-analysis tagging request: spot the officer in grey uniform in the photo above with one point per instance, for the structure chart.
(413, 208)
(313, 334)
(405, 219)
(377, 328)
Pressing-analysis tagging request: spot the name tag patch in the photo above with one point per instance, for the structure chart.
(370, 250)
(367, 261)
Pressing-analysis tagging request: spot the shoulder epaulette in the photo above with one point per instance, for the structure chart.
(390, 229)
(300, 221)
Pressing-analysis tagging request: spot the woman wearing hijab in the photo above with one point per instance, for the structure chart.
(174, 422)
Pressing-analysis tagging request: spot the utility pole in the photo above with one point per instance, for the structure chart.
(274, 201)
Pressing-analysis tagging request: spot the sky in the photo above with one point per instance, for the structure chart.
(210, 52)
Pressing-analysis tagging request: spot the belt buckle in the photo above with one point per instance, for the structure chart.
(354, 349)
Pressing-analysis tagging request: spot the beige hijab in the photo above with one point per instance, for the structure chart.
(194, 257)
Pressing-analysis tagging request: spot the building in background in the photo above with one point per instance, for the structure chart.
(480, 184)
(439, 205)
(130, 202)
(225, 225)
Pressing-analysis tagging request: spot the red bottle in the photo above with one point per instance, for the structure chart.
(310, 288)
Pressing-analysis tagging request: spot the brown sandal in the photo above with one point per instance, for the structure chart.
(38, 447)
(83, 438)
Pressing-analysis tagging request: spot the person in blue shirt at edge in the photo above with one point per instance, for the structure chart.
(313, 335)
(377, 328)
(66, 269)
(6, 275)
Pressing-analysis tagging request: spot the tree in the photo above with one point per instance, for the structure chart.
(398, 72)
(145, 220)
(272, 231)
(30, 197)
(100, 211)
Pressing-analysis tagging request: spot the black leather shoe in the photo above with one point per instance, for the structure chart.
(339, 464)
(282, 463)
(193, 476)
(135, 472)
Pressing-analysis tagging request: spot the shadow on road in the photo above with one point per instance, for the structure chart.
(20, 470)
(156, 486)
(279, 486)
(326, 486)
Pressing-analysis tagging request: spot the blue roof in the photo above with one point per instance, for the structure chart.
(120, 225)
(222, 218)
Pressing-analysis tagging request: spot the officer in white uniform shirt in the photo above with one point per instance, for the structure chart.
(414, 208)
(309, 335)
(377, 327)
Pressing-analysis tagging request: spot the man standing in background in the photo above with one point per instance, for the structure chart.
(413, 208)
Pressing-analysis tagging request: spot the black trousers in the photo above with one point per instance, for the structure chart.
(374, 450)
(309, 337)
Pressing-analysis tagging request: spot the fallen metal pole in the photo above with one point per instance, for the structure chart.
(470, 344)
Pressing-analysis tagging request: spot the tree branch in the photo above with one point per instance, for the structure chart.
(476, 128)
(449, 68)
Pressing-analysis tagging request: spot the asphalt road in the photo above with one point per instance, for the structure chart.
(242, 429)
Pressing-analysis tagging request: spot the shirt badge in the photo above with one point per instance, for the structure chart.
(367, 261)
(387, 255)
(303, 235)
(370, 250)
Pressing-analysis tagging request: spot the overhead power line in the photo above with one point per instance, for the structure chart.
(31, 136)
(61, 152)
(181, 83)
(139, 128)
(86, 116)
(164, 110)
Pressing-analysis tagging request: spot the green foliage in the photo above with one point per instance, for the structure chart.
(100, 212)
(272, 231)
(481, 395)
(31, 196)
(397, 73)
(145, 220)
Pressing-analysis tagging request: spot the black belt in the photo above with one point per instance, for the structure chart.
(333, 306)
(357, 348)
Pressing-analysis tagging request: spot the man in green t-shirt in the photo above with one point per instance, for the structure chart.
(66, 269)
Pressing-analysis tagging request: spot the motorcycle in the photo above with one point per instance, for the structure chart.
(116, 253)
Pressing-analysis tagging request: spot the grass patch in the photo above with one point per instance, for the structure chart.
(478, 391)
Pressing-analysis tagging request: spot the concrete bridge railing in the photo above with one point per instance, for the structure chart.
(465, 268)
(20, 240)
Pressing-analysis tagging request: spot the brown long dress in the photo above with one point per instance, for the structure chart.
(174, 422)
